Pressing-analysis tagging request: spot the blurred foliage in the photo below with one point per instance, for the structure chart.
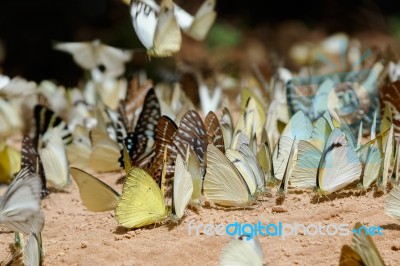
(223, 34)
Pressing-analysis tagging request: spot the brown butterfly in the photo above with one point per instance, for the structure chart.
(214, 131)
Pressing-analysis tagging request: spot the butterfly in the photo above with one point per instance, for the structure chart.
(142, 201)
(223, 183)
(299, 128)
(140, 143)
(389, 98)
(96, 195)
(264, 157)
(309, 155)
(191, 132)
(371, 156)
(387, 129)
(54, 159)
(242, 251)
(90, 55)
(183, 187)
(214, 131)
(156, 27)
(32, 253)
(203, 20)
(339, 164)
(247, 164)
(362, 251)
(46, 119)
(78, 152)
(392, 203)
(9, 162)
(20, 204)
(165, 131)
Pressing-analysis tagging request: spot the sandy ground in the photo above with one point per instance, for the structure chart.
(75, 236)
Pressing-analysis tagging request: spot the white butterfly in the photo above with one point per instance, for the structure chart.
(183, 187)
(20, 204)
(32, 254)
(54, 159)
(156, 27)
(339, 165)
(223, 183)
(242, 251)
(299, 128)
(198, 26)
(90, 55)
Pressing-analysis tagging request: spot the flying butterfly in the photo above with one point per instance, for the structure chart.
(156, 27)
(90, 55)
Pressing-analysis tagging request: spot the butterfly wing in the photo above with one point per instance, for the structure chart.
(96, 195)
(365, 247)
(46, 119)
(141, 202)
(32, 254)
(223, 183)
(305, 171)
(141, 143)
(242, 251)
(82, 52)
(372, 164)
(144, 20)
(239, 161)
(191, 132)
(105, 152)
(214, 131)
(340, 164)
(20, 204)
(183, 18)
(29, 155)
(203, 20)
(392, 203)
(113, 59)
(54, 160)
(349, 257)
(183, 187)
(167, 36)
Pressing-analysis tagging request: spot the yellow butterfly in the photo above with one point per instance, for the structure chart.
(10, 161)
(142, 202)
(96, 195)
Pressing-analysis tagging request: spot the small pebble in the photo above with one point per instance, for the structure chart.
(106, 243)
(396, 247)
(83, 245)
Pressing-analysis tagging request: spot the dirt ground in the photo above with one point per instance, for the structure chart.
(75, 236)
